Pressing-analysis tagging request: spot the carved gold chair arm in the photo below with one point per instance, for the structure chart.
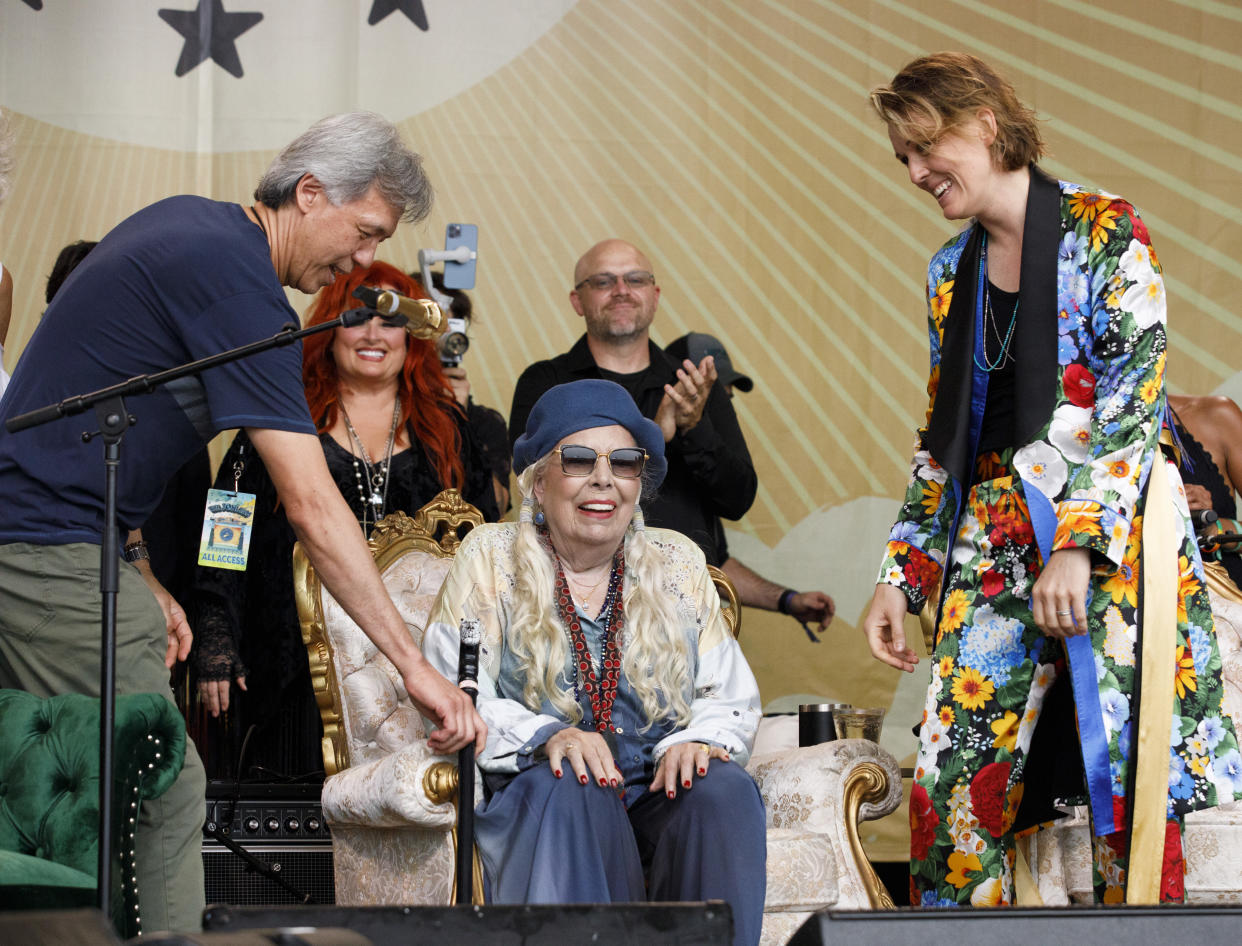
(730, 604)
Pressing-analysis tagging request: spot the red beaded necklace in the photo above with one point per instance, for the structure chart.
(601, 690)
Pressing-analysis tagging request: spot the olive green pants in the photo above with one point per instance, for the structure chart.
(49, 644)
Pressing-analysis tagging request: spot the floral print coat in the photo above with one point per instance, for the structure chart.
(1088, 417)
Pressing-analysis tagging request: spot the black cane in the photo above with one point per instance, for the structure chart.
(467, 679)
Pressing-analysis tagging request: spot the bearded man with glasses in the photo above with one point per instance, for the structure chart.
(710, 474)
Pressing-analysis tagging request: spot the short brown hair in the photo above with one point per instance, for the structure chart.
(937, 94)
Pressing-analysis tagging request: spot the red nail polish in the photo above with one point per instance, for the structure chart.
(582, 779)
(614, 783)
(702, 771)
(685, 784)
(670, 793)
(604, 782)
(557, 773)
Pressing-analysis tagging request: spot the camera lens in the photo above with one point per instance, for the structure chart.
(454, 231)
(455, 343)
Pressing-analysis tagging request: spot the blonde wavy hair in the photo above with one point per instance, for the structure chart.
(655, 656)
(936, 95)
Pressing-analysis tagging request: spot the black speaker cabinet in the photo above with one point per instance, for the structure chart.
(229, 879)
(615, 924)
(1022, 926)
(277, 824)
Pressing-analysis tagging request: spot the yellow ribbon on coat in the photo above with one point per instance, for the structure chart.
(1159, 635)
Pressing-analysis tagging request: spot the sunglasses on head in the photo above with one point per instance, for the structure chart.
(625, 462)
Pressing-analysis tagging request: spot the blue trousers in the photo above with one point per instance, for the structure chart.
(550, 840)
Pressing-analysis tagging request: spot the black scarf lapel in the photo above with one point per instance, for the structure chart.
(948, 431)
(1035, 336)
(1034, 343)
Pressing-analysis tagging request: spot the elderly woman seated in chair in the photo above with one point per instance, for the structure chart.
(620, 710)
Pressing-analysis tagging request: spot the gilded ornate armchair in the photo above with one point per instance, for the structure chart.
(389, 800)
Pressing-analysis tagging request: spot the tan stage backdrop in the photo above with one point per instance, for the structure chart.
(729, 138)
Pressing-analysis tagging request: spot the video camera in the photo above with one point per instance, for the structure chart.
(459, 256)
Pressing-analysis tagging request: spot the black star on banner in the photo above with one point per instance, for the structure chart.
(411, 8)
(209, 33)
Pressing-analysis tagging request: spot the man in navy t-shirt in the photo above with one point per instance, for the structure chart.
(179, 280)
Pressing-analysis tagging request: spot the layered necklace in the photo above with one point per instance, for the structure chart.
(990, 325)
(373, 486)
(601, 686)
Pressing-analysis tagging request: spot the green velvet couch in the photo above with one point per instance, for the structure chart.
(49, 796)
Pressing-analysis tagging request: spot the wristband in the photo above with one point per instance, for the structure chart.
(783, 604)
(136, 551)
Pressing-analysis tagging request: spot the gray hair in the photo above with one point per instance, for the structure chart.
(348, 153)
(656, 659)
(6, 156)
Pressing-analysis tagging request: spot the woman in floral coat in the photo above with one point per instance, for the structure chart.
(1039, 462)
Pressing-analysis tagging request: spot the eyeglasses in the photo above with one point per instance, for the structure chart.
(601, 282)
(625, 462)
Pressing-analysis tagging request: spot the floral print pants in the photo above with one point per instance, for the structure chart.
(991, 670)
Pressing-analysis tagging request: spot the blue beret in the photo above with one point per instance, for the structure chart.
(581, 405)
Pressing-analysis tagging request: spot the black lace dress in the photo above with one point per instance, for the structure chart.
(1199, 469)
(246, 622)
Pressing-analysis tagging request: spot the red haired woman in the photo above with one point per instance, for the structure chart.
(393, 437)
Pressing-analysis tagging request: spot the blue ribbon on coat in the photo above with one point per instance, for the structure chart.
(1078, 650)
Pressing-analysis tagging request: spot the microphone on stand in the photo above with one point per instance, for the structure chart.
(419, 317)
(468, 680)
(1202, 518)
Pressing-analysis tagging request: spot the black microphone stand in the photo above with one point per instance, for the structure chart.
(114, 420)
(467, 679)
(1209, 543)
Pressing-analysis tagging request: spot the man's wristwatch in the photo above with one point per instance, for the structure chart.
(136, 551)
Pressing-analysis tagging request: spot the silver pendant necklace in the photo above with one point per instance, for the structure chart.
(374, 491)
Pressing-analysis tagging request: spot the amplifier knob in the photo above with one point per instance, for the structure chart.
(251, 825)
(272, 824)
(313, 824)
(292, 825)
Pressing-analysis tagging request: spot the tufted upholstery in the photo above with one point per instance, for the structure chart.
(49, 794)
(388, 798)
(388, 801)
(1060, 856)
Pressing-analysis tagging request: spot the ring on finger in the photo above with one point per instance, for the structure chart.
(570, 745)
(704, 747)
(1065, 613)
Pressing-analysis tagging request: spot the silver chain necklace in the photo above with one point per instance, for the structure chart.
(376, 475)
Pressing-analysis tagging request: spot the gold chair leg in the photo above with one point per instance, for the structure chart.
(868, 782)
